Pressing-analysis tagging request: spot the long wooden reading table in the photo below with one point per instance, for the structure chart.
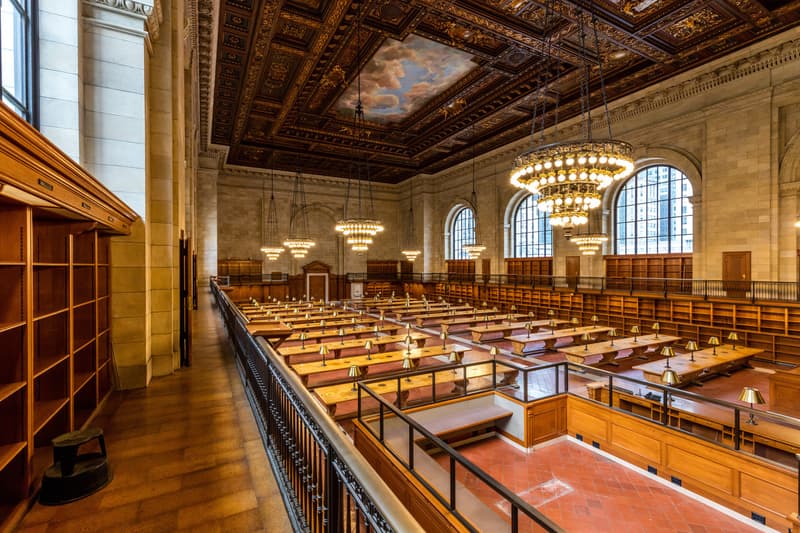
(315, 368)
(358, 331)
(333, 395)
(520, 343)
(412, 312)
(336, 347)
(608, 352)
(274, 332)
(435, 318)
(705, 364)
(505, 329)
(454, 324)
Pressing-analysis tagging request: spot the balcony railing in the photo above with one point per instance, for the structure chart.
(325, 483)
(778, 291)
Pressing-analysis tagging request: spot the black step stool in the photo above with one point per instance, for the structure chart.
(73, 476)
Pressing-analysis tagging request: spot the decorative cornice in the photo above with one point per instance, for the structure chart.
(206, 49)
(131, 7)
(234, 171)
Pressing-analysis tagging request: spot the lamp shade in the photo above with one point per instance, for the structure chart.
(612, 333)
(635, 330)
(667, 351)
(455, 357)
(691, 346)
(656, 326)
(595, 319)
(713, 341)
(368, 345)
(751, 395)
(493, 351)
(408, 363)
(669, 377)
(354, 371)
(323, 350)
(733, 336)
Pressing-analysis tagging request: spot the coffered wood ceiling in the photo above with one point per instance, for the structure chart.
(282, 68)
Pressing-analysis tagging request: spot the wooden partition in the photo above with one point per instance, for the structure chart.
(55, 303)
(735, 480)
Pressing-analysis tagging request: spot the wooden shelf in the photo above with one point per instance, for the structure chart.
(45, 410)
(79, 380)
(42, 365)
(8, 327)
(9, 451)
(50, 314)
(8, 389)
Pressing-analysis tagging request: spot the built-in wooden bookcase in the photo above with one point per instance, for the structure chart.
(55, 364)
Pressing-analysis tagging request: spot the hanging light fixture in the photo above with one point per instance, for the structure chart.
(272, 248)
(363, 227)
(589, 243)
(569, 176)
(410, 250)
(474, 249)
(299, 241)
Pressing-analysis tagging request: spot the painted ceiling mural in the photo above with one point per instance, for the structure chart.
(442, 81)
(402, 76)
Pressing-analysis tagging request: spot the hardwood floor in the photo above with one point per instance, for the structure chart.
(185, 454)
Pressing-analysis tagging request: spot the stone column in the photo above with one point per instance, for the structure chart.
(114, 52)
(206, 219)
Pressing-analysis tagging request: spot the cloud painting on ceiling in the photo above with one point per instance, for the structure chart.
(402, 76)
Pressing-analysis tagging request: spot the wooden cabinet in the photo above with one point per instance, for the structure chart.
(55, 364)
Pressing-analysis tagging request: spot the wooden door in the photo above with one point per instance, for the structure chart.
(316, 286)
(573, 270)
(736, 273)
(486, 269)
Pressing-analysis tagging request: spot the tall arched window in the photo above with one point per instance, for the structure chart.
(654, 215)
(532, 235)
(462, 231)
(17, 70)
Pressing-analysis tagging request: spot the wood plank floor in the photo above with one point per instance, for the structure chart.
(185, 454)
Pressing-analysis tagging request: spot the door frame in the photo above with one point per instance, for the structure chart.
(317, 274)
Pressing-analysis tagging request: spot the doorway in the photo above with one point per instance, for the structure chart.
(736, 274)
(573, 271)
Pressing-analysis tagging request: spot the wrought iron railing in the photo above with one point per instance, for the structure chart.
(326, 484)
(727, 424)
(780, 291)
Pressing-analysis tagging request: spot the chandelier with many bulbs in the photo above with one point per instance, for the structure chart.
(569, 176)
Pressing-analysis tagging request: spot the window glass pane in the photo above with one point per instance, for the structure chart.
(531, 233)
(653, 213)
(15, 64)
(462, 232)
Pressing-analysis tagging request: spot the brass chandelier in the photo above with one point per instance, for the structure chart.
(298, 242)
(359, 230)
(272, 248)
(410, 250)
(474, 249)
(569, 176)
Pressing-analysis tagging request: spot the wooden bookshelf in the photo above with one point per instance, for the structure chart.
(620, 268)
(240, 270)
(529, 267)
(55, 226)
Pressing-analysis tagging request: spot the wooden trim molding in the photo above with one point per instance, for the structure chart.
(33, 164)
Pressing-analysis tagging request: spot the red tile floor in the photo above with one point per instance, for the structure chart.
(584, 491)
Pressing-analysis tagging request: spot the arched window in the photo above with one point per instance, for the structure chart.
(17, 69)
(532, 235)
(654, 215)
(462, 231)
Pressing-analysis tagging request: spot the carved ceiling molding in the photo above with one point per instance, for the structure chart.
(256, 65)
(206, 36)
(235, 171)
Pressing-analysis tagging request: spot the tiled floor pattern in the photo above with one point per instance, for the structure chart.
(585, 492)
(185, 454)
